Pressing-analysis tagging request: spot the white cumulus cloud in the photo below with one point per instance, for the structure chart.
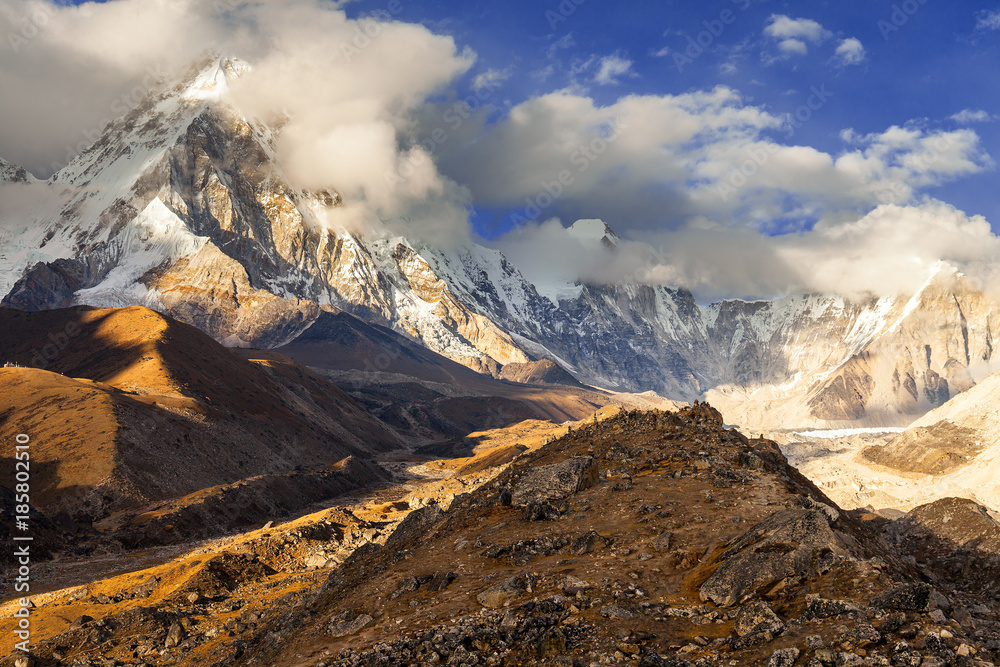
(850, 51)
(650, 161)
(490, 78)
(792, 35)
(967, 116)
(611, 69)
(989, 20)
(891, 250)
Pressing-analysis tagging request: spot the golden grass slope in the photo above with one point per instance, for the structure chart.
(127, 406)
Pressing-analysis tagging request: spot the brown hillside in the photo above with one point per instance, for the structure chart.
(430, 397)
(133, 407)
(647, 539)
(73, 428)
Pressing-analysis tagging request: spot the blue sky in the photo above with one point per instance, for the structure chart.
(741, 147)
(922, 64)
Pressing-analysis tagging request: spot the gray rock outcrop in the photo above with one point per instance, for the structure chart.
(787, 543)
(555, 482)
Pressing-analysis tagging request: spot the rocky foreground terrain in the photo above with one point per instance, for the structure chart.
(646, 538)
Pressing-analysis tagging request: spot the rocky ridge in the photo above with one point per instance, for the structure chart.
(12, 173)
(644, 539)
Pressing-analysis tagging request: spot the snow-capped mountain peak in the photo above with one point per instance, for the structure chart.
(180, 206)
(594, 232)
(12, 173)
(213, 82)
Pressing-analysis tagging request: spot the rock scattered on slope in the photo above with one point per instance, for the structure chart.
(555, 482)
(755, 572)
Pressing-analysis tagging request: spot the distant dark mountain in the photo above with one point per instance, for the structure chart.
(430, 397)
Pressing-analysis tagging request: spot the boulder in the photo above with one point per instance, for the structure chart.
(787, 543)
(615, 611)
(662, 541)
(907, 597)
(316, 561)
(174, 635)
(588, 543)
(417, 523)
(757, 616)
(864, 635)
(407, 585)
(496, 595)
(440, 581)
(555, 482)
(756, 624)
(345, 627)
(548, 511)
(145, 589)
(80, 622)
(574, 585)
(817, 607)
(783, 657)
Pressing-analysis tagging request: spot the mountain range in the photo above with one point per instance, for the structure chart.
(182, 206)
(259, 436)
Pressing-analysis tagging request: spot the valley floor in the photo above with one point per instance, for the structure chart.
(834, 461)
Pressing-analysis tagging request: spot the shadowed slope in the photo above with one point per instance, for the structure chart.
(160, 410)
(431, 397)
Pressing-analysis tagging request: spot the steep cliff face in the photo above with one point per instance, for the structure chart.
(181, 206)
(883, 363)
(940, 345)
